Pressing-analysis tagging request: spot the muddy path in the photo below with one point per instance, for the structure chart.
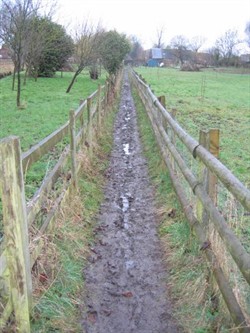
(126, 289)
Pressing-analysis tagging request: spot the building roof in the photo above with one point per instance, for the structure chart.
(156, 53)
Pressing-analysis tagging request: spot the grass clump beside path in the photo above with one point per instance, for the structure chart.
(210, 99)
(59, 299)
(188, 273)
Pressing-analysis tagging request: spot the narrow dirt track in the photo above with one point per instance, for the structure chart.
(126, 289)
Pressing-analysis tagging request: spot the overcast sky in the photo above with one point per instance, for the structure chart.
(209, 18)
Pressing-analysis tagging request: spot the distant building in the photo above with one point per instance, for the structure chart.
(245, 58)
(4, 53)
(171, 57)
(155, 57)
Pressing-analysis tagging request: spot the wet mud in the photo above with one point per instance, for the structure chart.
(126, 279)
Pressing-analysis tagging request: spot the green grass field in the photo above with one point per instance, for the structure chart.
(193, 291)
(210, 99)
(45, 105)
(45, 108)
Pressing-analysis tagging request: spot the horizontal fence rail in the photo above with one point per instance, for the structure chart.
(167, 130)
(19, 216)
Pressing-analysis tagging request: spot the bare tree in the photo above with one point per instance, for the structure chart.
(159, 36)
(87, 41)
(35, 45)
(214, 55)
(180, 45)
(226, 45)
(14, 31)
(196, 43)
(137, 51)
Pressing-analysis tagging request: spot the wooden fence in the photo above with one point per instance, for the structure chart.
(167, 130)
(16, 260)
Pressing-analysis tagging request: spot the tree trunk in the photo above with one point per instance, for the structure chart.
(14, 79)
(18, 97)
(73, 79)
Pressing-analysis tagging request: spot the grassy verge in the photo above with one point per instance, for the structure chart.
(210, 99)
(58, 277)
(188, 279)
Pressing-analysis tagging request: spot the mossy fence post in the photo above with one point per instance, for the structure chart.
(16, 231)
(72, 129)
(210, 141)
(214, 139)
(89, 111)
(82, 122)
(99, 107)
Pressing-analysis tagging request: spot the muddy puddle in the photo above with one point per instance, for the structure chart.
(126, 280)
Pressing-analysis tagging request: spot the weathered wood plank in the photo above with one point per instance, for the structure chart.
(34, 205)
(79, 111)
(16, 231)
(43, 147)
(99, 108)
(81, 118)
(89, 106)
(214, 137)
(203, 179)
(233, 244)
(72, 131)
(39, 239)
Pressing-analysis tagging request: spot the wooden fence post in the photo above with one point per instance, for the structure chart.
(162, 100)
(89, 106)
(214, 137)
(72, 130)
(210, 141)
(16, 231)
(106, 98)
(82, 123)
(99, 107)
(173, 138)
(201, 214)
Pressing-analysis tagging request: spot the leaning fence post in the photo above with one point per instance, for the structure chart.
(72, 130)
(16, 231)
